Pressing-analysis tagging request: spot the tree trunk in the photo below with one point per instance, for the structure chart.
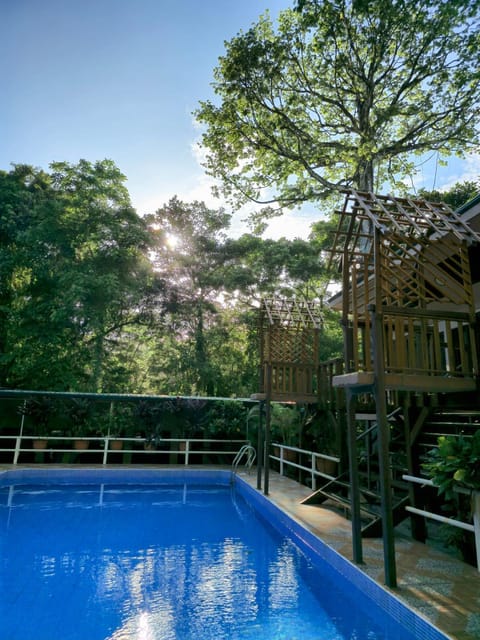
(98, 363)
(204, 382)
(364, 176)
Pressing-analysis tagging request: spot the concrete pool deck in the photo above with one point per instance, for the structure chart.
(442, 589)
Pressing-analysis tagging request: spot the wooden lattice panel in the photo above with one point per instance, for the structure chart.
(424, 252)
(285, 345)
(405, 218)
(289, 347)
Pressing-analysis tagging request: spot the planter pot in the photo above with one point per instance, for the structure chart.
(40, 444)
(81, 445)
(116, 445)
(290, 456)
(326, 466)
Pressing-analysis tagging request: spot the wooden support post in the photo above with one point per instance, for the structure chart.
(418, 523)
(354, 478)
(377, 322)
(267, 429)
(476, 523)
(260, 437)
(383, 452)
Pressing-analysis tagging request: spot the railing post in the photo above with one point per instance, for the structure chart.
(314, 467)
(105, 450)
(260, 446)
(476, 523)
(187, 451)
(18, 444)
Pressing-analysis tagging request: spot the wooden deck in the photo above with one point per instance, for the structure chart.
(363, 381)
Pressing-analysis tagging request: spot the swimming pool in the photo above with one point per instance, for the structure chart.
(175, 554)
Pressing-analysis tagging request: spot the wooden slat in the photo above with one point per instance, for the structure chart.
(450, 350)
(436, 345)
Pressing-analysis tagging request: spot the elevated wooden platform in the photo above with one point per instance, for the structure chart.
(309, 398)
(363, 381)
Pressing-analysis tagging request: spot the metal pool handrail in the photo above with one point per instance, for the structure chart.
(251, 454)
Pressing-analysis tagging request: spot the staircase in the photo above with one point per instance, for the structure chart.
(338, 489)
(442, 421)
(448, 422)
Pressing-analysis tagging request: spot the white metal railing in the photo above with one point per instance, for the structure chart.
(104, 446)
(474, 528)
(285, 459)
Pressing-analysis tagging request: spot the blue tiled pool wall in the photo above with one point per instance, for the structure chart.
(113, 476)
(345, 574)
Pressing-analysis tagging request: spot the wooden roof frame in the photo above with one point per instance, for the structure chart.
(416, 235)
(413, 218)
(290, 313)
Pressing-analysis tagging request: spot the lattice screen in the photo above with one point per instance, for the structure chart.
(290, 347)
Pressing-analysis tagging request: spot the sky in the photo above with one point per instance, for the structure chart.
(119, 79)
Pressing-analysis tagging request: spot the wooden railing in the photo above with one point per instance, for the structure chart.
(328, 394)
(418, 341)
(429, 343)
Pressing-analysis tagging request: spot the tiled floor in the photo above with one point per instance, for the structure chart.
(444, 590)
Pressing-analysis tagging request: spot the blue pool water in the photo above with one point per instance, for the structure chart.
(146, 556)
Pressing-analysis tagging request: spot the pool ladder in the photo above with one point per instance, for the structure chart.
(245, 451)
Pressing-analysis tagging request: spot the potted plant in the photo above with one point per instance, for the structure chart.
(39, 409)
(79, 412)
(321, 433)
(120, 423)
(147, 416)
(454, 468)
(285, 428)
(455, 462)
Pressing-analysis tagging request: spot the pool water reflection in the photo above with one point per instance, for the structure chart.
(161, 561)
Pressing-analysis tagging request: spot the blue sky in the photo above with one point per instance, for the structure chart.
(119, 79)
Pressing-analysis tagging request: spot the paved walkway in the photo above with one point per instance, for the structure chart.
(442, 589)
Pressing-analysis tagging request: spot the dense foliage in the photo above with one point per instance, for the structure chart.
(73, 268)
(95, 298)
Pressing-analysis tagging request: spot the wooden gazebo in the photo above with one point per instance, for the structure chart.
(289, 349)
(408, 317)
(289, 332)
(405, 264)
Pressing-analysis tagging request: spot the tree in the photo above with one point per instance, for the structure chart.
(205, 343)
(74, 259)
(456, 196)
(260, 267)
(342, 93)
(188, 254)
